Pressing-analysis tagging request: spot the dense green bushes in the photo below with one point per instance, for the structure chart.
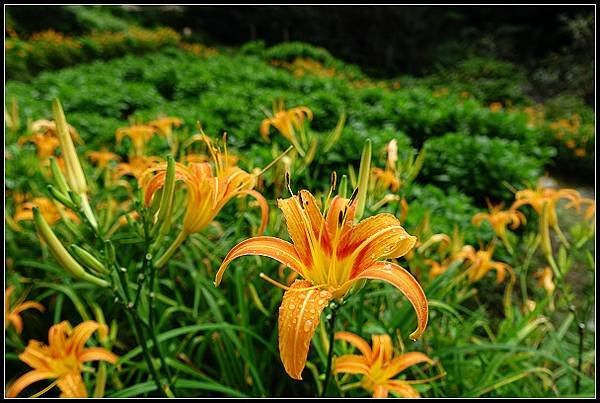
(52, 50)
(481, 166)
(230, 93)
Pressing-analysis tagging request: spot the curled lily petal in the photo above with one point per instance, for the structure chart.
(403, 389)
(275, 248)
(380, 391)
(407, 284)
(351, 364)
(27, 379)
(406, 360)
(71, 385)
(83, 332)
(356, 341)
(98, 354)
(264, 208)
(299, 316)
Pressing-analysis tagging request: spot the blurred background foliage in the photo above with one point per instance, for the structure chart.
(553, 46)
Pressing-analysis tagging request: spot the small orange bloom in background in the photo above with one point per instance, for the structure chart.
(378, 365)
(499, 220)
(544, 277)
(440, 92)
(495, 106)
(46, 145)
(482, 263)
(539, 196)
(570, 143)
(48, 208)
(589, 212)
(287, 122)
(12, 315)
(48, 128)
(331, 254)
(102, 158)
(165, 125)
(62, 358)
(139, 135)
(580, 152)
(136, 167)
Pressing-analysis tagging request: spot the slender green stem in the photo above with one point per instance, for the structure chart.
(174, 246)
(148, 266)
(330, 354)
(581, 327)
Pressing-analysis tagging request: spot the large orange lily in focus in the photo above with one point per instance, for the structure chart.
(207, 192)
(62, 358)
(13, 315)
(331, 254)
(378, 365)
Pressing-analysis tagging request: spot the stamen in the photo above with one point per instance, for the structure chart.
(274, 161)
(333, 180)
(288, 183)
(341, 218)
(419, 381)
(301, 200)
(270, 280)
(353, 197)
(46, 389)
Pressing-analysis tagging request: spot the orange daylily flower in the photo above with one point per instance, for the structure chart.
(331, 254)
(46, 145)
(378, 365)
(539, 196)
(589, 212)
(102, 158)
(495, 107)
(386, 179)
(499, 220)
(287, 122)
(48, 128)
(62, 358)
(482, 263)
(12, 315)
(136, 167)
(139, 135)
(165, 125)
(207, 192)
(579, 152)
(48, 208)
(545, 279)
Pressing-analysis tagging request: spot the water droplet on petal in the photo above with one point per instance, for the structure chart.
(307, 325)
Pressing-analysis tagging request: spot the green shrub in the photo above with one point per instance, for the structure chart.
(445, 210)
(480, 166)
